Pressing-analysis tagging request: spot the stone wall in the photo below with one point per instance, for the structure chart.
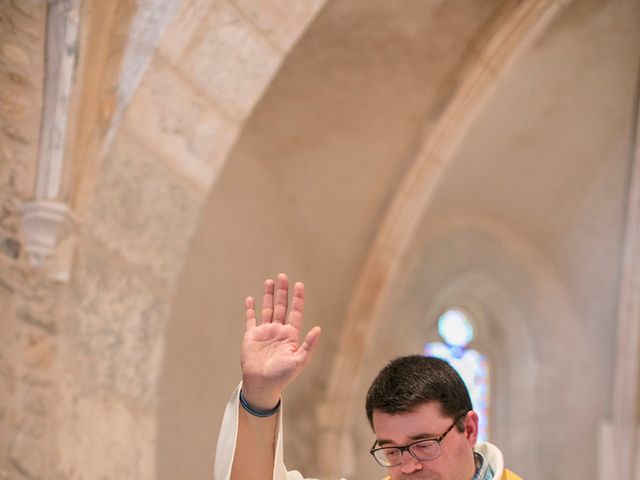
(162, 91)
(22, 43)
(80, 361)
(28, 312)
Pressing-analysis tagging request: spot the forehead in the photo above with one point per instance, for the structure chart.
(424, 420)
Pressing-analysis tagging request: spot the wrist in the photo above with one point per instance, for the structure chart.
(262, 399)
(258, 412)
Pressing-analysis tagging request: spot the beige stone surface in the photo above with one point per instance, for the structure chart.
(184, 25)
(142, 211)
(103, 39)
(273, 135)
(27, 452)
(116, 325)
(22, 34)
(8, 367)
(103, 437)
(309, 203)
(29, 341)
(282, 21)
(230, 60)
(30, 449)
(147, 26)
(196, 137)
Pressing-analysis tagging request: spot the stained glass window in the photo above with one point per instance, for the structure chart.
(456, 331)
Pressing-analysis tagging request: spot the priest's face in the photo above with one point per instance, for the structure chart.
(427, 421)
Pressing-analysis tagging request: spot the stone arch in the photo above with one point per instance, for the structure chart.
(189, 72)
(516, 294)
(105, 333)
(512, 36)
(283, 178)
(214, 61)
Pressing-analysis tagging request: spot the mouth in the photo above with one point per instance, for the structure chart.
(421, 476)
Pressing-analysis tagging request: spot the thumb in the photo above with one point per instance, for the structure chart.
(308, 346)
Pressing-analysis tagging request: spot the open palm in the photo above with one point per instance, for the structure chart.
(272, 355)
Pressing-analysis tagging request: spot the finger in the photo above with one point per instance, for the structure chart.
(297, 306)
(250, 312)
(308, 346)
(282, 294)
(266, 316)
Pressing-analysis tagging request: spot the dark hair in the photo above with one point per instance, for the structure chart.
(406, 382)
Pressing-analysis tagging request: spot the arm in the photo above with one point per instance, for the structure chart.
(272, 357)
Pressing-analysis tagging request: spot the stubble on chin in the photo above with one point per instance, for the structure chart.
(422, 475)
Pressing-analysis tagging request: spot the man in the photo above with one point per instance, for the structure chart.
(418, 407)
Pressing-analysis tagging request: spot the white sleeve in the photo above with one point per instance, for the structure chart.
(227, 444)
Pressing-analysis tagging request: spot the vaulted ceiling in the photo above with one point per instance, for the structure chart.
(400, 148)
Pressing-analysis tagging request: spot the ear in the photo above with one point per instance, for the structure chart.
(471, 427)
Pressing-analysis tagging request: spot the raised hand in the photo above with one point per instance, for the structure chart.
(272, 356)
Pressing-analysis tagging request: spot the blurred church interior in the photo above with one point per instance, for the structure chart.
(408, 161)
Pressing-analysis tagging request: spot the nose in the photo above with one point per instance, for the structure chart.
(409, 463)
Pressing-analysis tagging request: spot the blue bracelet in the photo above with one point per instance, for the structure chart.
(257, 413)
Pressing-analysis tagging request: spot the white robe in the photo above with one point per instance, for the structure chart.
(229, 434)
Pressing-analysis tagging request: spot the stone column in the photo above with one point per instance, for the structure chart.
(47, 219)
(624, 435)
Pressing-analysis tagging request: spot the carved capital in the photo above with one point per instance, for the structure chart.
(45, 225)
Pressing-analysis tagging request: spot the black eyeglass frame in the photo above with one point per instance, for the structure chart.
(407, 447)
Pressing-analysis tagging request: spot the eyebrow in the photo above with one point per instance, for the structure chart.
(413, 438)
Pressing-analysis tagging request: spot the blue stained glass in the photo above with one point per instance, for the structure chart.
(473, 367)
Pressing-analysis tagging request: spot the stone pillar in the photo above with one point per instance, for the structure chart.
(47, 219)
(626, 387)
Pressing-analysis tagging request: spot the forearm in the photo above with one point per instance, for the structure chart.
(272, 357)
(255, 447)
(257, 432)
(248, 447)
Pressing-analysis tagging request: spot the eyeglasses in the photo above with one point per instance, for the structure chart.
(421, 450)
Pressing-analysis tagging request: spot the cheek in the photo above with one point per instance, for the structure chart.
(457, 459)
